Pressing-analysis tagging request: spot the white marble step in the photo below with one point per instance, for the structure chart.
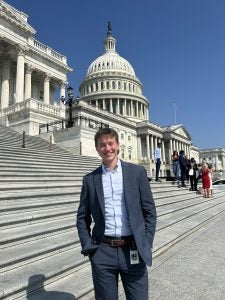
(36, 216)
(35, 231)
(53, 267)
(16, 256)
(169, 235)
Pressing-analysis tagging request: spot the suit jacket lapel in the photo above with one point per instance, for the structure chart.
(126, 184)
(99, 188)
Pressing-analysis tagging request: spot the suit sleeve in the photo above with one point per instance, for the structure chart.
(84, 220)
(148, 206)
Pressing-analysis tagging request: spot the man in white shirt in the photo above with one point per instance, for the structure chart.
(118, 198)
(157, 156)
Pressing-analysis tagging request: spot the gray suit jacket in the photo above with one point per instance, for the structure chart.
(140, 206)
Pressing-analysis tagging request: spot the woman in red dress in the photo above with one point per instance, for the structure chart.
(205, 180)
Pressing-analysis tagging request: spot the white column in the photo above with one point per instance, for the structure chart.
(28, 73)
(163, 151)
(5, 82)
(147, 147)
(170, 149)
(103, 104)
(139, 148)
(118, 106)
(132, 108)
(111, 106)
(137, 109)
(20, 75)
(146, 113)
(46, 88)
(62, 89)
(174, 145)
(125, 107)
(152, 147)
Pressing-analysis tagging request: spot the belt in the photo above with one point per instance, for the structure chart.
(115, 241)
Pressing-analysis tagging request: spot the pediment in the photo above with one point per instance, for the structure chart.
(181, 132)
(16, 17)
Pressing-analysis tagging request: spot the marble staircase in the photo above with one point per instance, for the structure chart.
(39, 196)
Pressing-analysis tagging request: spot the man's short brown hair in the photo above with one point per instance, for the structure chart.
(106, 131)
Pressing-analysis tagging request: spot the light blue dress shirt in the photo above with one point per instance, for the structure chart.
(157, 153)
(116, 217)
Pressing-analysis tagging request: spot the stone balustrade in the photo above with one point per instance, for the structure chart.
(34, 105)
(47, 50)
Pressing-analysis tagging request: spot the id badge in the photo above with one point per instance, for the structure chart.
(134, 257)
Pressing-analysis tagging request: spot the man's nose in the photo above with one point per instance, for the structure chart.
(107, 147)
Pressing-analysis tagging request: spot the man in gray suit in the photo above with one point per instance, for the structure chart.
(118, 199)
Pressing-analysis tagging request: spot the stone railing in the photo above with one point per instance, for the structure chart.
(111, 115)
(47, 50)
(34, 104)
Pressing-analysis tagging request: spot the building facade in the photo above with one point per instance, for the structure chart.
(214, 157)
(110, 95)
(30, 73)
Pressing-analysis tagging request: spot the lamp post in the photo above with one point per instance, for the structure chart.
(70, 102)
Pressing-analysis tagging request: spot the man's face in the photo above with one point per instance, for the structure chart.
(107, 148)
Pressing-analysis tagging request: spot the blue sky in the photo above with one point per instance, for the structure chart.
(176, 47)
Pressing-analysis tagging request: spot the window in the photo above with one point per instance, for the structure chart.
(129, 154)
(128, 138)
(41, 94)
(122, 136)
(122, 153)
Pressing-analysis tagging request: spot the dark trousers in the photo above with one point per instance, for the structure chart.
(182, 176)
(108, 263)
(193, 181)
(157, 168)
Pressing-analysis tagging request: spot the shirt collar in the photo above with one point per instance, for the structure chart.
(116, 169)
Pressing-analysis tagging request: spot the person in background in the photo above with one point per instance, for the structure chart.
(188, 161)
(183, 167)
(193, 169)
(117, 198)
(210, 178)
(205, 180)
(176, 165)
(157, 157)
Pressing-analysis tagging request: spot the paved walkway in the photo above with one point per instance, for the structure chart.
(194, 269)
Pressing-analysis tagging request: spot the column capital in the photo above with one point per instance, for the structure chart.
(29, 69)
(21, 50)
(47, 77)
(63, 84)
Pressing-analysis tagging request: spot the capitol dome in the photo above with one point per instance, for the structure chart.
(111, 84)
(110, 61)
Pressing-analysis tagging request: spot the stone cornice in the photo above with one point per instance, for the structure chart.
(13, 16)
